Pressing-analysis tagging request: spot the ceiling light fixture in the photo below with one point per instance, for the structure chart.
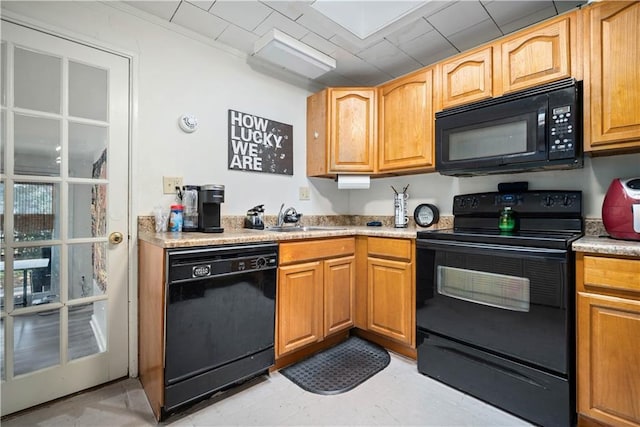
(285, 51)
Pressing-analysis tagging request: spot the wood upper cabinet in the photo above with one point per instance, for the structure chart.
(539, 55)
(341, 131)
(528, 58)
(466, 78)
(390, 289)
(608, 339)
(316, 291)
(612, 83)
(405, 116)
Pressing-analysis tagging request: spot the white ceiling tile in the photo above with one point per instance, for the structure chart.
(238, 38)
(317, 42)
(356, 69)
(458, 16)
(245, 14)
(318, 23)
(282, 23)
(525, 21)
(429, 48)
(334, 79)
(564, 6)
(162, 9)
(475, 35)
(290, 9)
(504, 12)
(348, 43)
(196, 19)
(389, 59)
(204, 5)
(410, 32)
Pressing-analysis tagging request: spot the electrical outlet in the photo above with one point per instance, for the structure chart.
(169, 184)
(303, 193)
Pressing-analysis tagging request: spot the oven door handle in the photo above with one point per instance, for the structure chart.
(485, 249)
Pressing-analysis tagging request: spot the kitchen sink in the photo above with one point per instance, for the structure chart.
(300, 228)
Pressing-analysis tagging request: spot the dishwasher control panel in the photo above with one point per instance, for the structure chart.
(202, 264)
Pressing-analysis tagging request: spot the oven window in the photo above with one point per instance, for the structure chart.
(490, 141)
(495, 290)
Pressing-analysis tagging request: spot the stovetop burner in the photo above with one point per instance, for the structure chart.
(550, 219)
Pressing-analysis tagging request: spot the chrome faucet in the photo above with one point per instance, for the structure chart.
(280, 220)
(289, 215)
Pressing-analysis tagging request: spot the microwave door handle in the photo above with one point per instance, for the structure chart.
(542, 131)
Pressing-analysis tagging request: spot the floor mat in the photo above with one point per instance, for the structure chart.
(340, 368)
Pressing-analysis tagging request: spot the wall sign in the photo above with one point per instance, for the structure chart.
(259, 145)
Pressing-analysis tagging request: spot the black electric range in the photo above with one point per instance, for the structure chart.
(495, 309)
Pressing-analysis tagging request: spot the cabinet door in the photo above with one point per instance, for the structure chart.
(390, 307)
(538, 56)
(299, 302)
(467, 78)
(352, 144)
(317, 134)
(339, 288)
(612, 61)
(609, 359)
(406, 123)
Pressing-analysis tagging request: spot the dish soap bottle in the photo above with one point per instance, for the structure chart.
(507, 220)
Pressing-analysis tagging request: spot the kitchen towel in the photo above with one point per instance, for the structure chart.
(340, 368)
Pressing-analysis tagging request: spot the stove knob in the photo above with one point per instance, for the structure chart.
(566, 201)
(548, 201)
(475, 202)
(261, 262)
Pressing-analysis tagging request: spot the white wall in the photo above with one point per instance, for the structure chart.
(179, 73)
(593, 180)
(182, 72)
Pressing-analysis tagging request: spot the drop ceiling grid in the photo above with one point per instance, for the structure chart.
(446, 29)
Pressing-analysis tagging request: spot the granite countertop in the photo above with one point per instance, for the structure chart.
(603, 244)
(595, 240)
(183, 240)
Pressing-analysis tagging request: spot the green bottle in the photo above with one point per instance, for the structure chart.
(507, 220)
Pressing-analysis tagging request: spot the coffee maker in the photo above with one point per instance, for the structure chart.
(209, 198)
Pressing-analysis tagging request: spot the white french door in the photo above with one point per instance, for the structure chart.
(64, 136)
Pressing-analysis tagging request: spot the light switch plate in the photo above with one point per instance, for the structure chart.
(304, 194)
(169, 184)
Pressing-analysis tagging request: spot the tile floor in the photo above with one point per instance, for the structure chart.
(398, 395)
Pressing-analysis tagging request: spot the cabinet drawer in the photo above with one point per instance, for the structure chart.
(613, 273)
(389, 248)
(308, 250)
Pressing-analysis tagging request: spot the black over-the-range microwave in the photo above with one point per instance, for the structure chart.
(536, 129)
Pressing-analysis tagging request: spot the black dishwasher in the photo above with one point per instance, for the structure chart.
(220, 318)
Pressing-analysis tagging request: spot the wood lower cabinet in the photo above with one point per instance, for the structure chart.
(608, 339)
(315, 297)
(390, 289)
(299, 301)
(341, 131)
(406, 121)
(611, 84)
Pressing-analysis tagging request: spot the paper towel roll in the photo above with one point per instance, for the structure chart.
(353, 182)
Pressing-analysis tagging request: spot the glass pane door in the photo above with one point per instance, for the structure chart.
(63, 286)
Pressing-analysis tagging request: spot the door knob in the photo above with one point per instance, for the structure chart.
(115, 238)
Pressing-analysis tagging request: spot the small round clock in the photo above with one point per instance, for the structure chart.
(426, 215)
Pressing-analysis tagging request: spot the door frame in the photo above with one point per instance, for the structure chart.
(132, 57)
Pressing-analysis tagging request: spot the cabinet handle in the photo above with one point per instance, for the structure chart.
(316, 135)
